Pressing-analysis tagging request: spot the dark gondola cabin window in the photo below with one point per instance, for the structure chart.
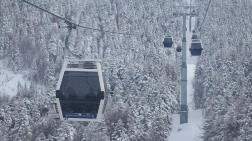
(81, 94)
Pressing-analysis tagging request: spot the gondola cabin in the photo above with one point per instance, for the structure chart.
(80, 92)
(178, 49)
(193, 13)
(168, 41)
(194, 36)
(196, 47)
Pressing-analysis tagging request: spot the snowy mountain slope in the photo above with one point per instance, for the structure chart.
(223, 75)
(141, 74)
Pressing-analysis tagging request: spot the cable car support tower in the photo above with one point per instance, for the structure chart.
(183, 93)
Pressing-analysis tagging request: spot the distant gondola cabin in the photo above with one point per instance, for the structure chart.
(80, 92)
(196, 47)
(168, 41)
(179, 49)
(194, 36)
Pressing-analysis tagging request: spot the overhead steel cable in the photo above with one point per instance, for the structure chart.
(205, 14)
(71, 22)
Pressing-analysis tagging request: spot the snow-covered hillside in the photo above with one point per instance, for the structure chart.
(141, 75)
(224, 72)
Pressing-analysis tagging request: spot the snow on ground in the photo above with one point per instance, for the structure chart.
(187, 132)
(191, 131)
(190, 77)
(9, 80)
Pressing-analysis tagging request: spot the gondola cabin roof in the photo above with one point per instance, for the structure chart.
(80, 92)
(196, 44)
